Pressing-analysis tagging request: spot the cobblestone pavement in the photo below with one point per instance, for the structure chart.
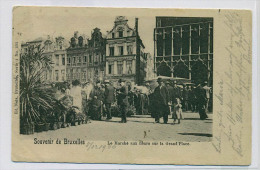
(139, 127)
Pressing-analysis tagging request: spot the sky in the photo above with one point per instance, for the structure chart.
(40, 22)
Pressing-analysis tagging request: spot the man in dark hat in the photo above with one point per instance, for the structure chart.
(97, 96)
(122, 99)
(109, 98)
(202, 101)
(162, 101)
(185, 97)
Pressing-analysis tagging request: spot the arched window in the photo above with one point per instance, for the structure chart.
(80, 41)
(72, 42)
(120, 32)
(60, 45)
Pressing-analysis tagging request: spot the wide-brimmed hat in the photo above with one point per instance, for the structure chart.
(76, 83)
(120, 81)
(159, 79)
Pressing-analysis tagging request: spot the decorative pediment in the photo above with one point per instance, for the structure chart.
(47, 42)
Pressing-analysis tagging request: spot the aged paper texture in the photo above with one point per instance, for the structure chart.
(132, 85)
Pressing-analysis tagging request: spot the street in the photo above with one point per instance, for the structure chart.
(138, 127)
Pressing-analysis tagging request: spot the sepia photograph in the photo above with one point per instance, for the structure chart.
(95, 82)
(131, 83)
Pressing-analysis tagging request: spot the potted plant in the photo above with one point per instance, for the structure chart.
(52, 120)
(35, 99)
(130, 111)
(115, 110)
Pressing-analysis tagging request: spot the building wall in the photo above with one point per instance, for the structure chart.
(86, 62)
(184, 48)
(76, 65)
(121, 52)
(52, 49)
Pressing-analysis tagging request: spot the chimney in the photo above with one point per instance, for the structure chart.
(76, 34)
(136, 25)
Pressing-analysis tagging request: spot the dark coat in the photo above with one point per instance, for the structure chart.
(97, 92)
(122, 97)
(176, 93)
(201, 95)
(162, 95)
(170, 90)
(185, 94)
(109, 94)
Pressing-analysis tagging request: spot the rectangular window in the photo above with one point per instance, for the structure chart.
(129, 49)
(185, 41)
(79, 59)
(68, 60)
(57, 75)
(57, 60)
(121, 50)
(203, 39)
(111, 69)
(159, 45)
(78, 73)
(111, 51)
(128, 33)
(90, 58)
(63, 75)
(84, 75)
(63, 59)
(85, 59)
(195, 37)
(96, 58)
(168, 41)
(177, 41)
(120, 33)
(120, 67)
(129, 67)
(74, 60)
(113, 35)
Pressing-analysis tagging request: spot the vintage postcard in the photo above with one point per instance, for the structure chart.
(132, 85)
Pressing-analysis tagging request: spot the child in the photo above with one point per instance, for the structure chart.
(178, 107)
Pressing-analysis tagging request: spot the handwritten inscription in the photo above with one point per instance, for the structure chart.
(237, 85)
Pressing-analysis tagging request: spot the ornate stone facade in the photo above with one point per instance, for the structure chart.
(124, 53)
(56, 51)
(183, 47)
(86, 57)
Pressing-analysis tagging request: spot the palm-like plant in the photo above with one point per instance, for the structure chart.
(35, 100)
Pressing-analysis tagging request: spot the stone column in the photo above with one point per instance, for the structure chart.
(124, 67)
(106, 73)
(133, 66)
(115, 67)
(125, 49)
(107, 50)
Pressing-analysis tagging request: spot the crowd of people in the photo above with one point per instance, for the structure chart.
(96, 100)
(171, 99)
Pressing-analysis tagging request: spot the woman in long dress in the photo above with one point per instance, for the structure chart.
(75, 92)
